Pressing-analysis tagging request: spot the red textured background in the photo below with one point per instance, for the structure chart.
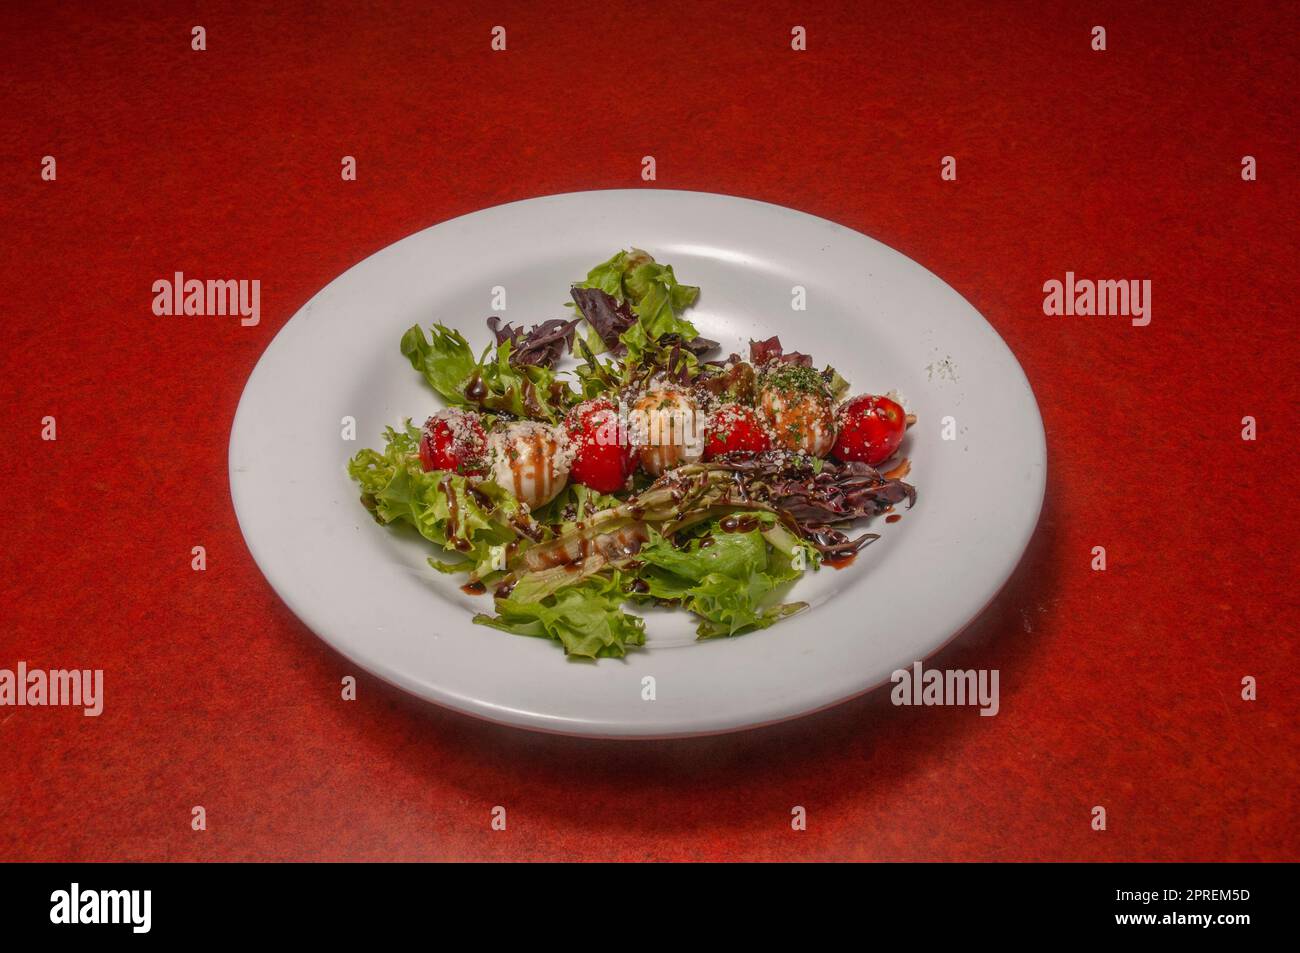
(1118, 688)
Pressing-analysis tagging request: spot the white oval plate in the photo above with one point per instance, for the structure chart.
(882, 320)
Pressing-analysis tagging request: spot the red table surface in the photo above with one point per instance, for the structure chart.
(1119, 688)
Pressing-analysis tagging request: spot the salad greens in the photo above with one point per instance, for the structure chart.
(463, 516)
(653, 293)
(490, 383)
(636, 315)
(587, 618)
(725, 582)
(722, 538)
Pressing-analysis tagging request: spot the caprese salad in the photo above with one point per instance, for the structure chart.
(651, 472)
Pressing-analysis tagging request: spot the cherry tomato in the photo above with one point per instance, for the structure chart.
(735, 428)
(602, 458)
(870, 429)
(454, 440)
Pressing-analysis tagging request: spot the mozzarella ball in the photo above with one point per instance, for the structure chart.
(799, 409)
(668, 429)
(531, 460)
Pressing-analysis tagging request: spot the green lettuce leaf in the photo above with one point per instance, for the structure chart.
(656, 297)
(729, 606)
(397, 489)
(729, 582)
(446, 361)
(732, 554)
(839, 387)
(490, 382)
(585, 619)
(608, 276)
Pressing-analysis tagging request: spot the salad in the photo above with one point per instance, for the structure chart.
(652, 472)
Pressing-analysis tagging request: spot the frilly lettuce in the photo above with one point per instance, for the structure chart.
(396, 488)
(489, 382)
(729, 581)
(586, 619)
(655, 295)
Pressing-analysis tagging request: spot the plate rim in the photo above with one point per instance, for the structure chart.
(534, 721)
